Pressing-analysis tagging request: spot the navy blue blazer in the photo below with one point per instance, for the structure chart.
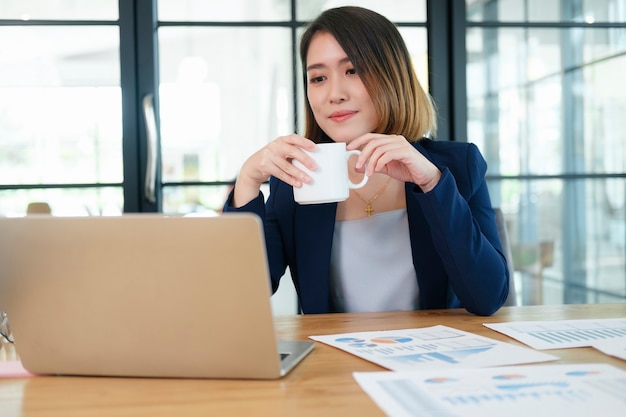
(457, 254)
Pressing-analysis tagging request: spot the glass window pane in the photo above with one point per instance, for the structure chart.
(59, 9)
(523, 84)
(201, 200)
(599, 44)
(61, 109)
(416, 40)
(594, 11)
(231, 10)
(542, 10)
(544, 52)
(507, 112)
(225, 92)
(604, 110)
(512, 10)
(101, 201)
(56, 56)
(396, 11)
(507, 58)
(198, 200)
(587, 11)
(562, 255)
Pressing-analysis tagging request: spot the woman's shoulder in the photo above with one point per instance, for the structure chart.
(450, 150)
(446, 146)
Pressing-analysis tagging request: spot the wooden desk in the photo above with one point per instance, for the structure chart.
(322, 385)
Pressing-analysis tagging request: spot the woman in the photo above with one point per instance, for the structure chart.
(421, 233)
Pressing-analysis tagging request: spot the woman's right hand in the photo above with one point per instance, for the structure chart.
(274, 159)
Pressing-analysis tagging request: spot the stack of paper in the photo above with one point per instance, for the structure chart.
(445, 372)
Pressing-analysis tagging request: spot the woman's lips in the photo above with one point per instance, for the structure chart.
(341, 116)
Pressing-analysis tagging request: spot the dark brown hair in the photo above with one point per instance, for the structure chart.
(378, 52)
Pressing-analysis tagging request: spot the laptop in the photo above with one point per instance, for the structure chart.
(142, 295)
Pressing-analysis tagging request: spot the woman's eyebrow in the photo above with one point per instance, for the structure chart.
(315, 66)
(342, 61)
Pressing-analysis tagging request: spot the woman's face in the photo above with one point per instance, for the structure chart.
(340, 103)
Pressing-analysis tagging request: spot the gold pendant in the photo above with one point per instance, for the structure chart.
(368, 209)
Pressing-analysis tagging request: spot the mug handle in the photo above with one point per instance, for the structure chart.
(352, 185)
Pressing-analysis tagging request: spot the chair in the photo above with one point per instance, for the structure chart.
(508, 254)
(531, 259)
(38, 207)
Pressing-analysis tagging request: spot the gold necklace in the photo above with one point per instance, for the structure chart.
(368, 207)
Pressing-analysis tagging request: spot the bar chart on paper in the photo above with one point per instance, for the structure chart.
(562, 333)
(431, 347)
(538, 391)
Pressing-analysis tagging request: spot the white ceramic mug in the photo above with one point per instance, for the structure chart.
(330, 181)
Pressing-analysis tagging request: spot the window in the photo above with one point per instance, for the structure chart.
(60, 113)
(545, 106)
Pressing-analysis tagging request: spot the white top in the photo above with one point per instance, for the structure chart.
(371, 266)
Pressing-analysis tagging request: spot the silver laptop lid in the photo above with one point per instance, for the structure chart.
(139, 295)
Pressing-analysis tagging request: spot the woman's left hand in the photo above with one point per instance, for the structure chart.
(393, 155)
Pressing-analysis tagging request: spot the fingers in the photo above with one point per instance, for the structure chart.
(294, 150)
(278, 157)
(377, 150)
(392, 155)
(274, 159)
(383, 154)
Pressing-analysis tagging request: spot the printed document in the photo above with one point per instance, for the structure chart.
(559, 334)
(581, 390)
(433, 347)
